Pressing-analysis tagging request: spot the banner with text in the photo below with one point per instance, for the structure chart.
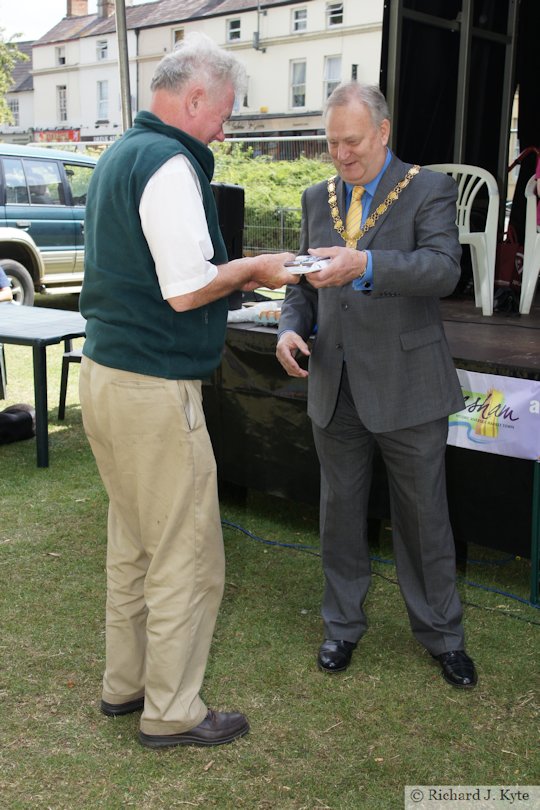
(501, 416)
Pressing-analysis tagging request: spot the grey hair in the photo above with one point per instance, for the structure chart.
(368, 94)
(198, 57)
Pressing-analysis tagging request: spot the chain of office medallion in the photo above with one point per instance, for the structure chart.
(379, 211)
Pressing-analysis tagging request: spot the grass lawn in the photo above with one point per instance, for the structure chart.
(343, 742)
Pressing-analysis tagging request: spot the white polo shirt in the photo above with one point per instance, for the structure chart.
(174, 224)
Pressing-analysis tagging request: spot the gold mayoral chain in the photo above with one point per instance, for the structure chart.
(379, 211)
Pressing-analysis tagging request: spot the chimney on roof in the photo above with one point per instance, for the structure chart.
(77, 8)
(105, 8)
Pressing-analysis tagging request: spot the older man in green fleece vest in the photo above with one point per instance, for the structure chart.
(154, 296)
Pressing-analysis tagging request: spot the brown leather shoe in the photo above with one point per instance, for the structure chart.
(216, 728)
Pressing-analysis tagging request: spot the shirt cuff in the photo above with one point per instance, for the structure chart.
(366, 282)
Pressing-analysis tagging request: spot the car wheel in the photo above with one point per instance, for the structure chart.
(22, 285)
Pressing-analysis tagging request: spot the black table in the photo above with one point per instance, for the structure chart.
(39, 327)
(262, 438)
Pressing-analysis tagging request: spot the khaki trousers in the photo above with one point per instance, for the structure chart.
(165, 559)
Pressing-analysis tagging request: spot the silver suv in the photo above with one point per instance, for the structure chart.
(42, 206)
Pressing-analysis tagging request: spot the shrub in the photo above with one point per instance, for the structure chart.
(273, 190)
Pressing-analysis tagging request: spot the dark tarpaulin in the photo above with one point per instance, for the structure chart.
(428, 87)
(528, 81)
(262, 439)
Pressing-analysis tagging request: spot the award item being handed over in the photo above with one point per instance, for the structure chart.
(307, 264)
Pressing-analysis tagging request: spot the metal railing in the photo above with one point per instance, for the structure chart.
(272, 231)
(283, 147)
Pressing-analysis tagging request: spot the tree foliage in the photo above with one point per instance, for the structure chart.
(273, 191)
(9, 56)
(268, 183)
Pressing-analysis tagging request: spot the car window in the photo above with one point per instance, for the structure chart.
(78, 178)
(44, 182)
(16, 189)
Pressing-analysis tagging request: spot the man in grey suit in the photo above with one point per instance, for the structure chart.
(380, 371)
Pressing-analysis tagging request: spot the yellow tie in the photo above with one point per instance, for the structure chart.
(354, 217)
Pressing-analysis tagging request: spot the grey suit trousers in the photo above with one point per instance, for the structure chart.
(422, 536)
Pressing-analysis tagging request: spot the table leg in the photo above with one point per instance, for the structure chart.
(40, 396)
(3, 374)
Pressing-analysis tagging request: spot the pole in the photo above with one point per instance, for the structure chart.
(123, 62)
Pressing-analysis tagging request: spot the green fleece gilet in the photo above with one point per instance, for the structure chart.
(129, 325)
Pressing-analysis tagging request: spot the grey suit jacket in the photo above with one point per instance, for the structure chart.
(392, 339)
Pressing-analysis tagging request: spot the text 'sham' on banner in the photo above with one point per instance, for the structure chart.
(501, 416)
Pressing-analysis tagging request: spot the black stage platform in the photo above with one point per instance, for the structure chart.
(506, 344)
(262, 436)
(494, 500)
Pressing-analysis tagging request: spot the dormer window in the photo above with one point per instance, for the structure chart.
(102, 49)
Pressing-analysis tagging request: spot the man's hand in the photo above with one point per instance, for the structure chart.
(269, 271)
(288, 346)
(266, 270)
(347, 264)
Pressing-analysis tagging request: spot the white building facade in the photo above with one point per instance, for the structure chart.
(294, 53)
(20, 99)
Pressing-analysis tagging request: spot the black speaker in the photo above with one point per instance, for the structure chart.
(230, 206)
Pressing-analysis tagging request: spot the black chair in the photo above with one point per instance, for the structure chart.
(70, 355)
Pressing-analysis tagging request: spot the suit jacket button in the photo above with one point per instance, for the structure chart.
(339, 345)
(345, 306)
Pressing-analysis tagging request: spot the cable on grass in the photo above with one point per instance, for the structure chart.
(312, 550)
(503, 613)
(504, 561)
(296, 546)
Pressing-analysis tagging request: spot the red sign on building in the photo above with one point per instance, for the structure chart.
(52, 135)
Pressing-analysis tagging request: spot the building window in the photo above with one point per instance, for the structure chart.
(102, 49)
(334, 14)
(178, 36)
(354, 72)
(13, 104)
(299, 19)
(233, 30)
(60, 53)
(61, 102)
(103, 101)
(332, 74)
(298, 83)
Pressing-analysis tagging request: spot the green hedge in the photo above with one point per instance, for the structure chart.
(273, 190)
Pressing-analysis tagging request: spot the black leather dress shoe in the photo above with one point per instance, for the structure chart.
(216, 728)
(118, 709)
(457, 668)
(334, 655)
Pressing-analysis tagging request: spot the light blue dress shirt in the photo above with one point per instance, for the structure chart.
(366, 282)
